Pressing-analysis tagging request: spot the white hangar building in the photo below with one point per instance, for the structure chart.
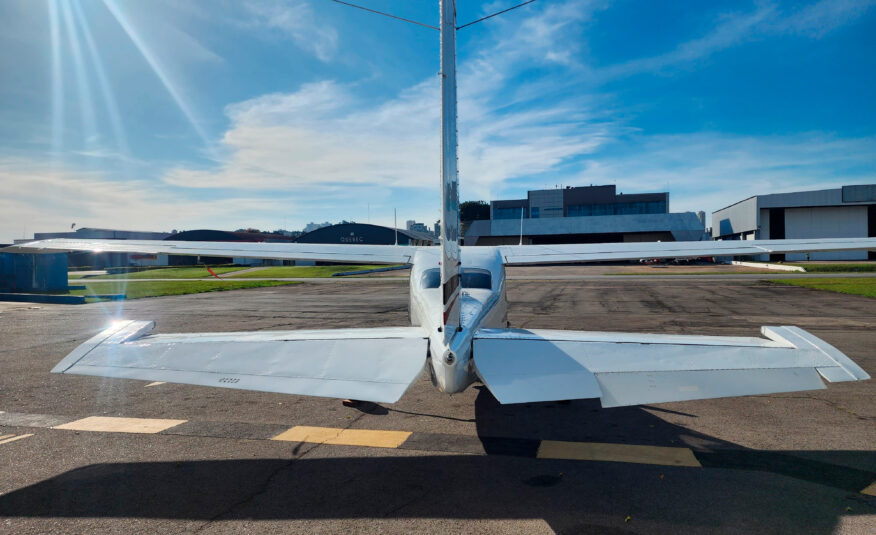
(846, 212)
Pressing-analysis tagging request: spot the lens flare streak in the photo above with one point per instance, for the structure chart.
(157, 68)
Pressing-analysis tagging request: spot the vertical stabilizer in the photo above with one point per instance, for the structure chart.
(450, 260)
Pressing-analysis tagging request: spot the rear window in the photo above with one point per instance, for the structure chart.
(431, 278)
(476, 278)
(469, 278)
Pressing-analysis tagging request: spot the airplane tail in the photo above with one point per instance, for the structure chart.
(450, 258)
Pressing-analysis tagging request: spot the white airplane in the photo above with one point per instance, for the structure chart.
(459, 327)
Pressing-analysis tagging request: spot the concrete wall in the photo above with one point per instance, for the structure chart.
(822, 197)
(33, 272)
(739, 218)
(549, 203)
(827, 222)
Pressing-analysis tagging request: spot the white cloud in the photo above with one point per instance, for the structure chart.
(821, 17)
(41, 198)
(767, 19)
(296, 21)
(707, 171)
(325, 135)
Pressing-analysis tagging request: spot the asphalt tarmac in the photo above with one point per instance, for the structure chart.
(215, 461)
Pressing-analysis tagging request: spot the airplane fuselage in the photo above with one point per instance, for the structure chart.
(482, 304)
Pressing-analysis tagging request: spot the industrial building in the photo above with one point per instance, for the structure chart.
(222, 236)
(590, 214)
(845, 212)
(366, 234)
(104, 260)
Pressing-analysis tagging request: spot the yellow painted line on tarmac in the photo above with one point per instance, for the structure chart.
(344, 437)
(13, 438)
(621, 453)
(870, 490)
(120, 425)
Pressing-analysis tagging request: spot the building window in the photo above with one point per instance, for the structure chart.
(507, 213)
(534, 213)
(621, 208)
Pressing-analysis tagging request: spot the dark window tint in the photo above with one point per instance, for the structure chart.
(431, 278)
(475, 278)
(469, 278)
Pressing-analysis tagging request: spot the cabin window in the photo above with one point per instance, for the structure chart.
(477, 278)
(431, 278)
(469, 278)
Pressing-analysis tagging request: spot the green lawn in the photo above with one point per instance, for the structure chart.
(838, 268)
(199, 272)
(670, 272)
(284, 272)
(139, 289)
(862, 286)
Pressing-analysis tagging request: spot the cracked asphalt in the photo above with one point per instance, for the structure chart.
(785, 463)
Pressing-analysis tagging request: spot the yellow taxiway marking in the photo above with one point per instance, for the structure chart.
(120, 425)
(870, 490)
(621, 453)
(156, 383)
(345, 437)
(6, 439)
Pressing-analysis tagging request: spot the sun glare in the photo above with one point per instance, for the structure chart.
(156, 66)
(72, 40)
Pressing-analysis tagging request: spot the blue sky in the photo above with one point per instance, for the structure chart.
(165, 114)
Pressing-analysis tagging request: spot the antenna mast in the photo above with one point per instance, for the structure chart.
(521, 226)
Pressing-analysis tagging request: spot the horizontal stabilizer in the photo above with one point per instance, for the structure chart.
(621, 369)
(601, 252)
(366, 364)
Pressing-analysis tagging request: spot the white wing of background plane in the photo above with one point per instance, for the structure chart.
(368, 364)
(602, 252)
(364, 254)
(631, 369)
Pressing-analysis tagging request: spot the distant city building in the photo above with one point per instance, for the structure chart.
(589, 214)
(437, 228)
(845, 212)
(579, 202)
(310, 227)
(417, 227)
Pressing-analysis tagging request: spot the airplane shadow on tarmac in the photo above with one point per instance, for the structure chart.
(737, 488)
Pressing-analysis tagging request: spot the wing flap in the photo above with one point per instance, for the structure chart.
(630, 369)
(368, 364)
(366, 254)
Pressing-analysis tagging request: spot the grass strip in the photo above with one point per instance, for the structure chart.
(670, 272)
(288, 272)
(838, 268)
(141, 289)
(199, 272)
(863, 286)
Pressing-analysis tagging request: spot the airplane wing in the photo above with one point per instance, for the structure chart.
(621, 369)
(366, 364)
(365, 254)
(599, 252)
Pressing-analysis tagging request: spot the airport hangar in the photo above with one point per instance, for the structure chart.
(589, 214)
(845, 212)
(361, 233)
